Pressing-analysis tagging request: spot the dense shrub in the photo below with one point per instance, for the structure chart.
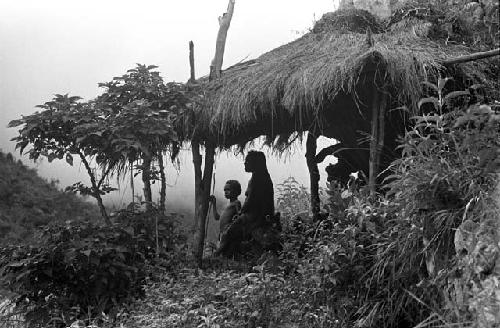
(84, 270)
(397, 260)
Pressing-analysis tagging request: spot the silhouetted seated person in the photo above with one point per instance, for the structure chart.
(232, 189)
(257, 209)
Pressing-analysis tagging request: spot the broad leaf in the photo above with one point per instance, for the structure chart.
(455, 94)
(433, 100)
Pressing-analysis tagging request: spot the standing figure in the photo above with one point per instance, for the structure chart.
(259, 203)
(232, 189)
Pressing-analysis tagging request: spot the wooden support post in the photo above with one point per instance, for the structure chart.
(381, 129)
(312, 165)
(379, 102)
(203, 182)
(374, 144)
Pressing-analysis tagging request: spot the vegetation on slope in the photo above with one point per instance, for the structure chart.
(28, 202)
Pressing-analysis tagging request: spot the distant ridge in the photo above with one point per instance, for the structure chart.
(28, 201)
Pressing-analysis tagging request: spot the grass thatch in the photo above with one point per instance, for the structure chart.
(289, 88)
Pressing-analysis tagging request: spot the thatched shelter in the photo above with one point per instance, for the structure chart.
(329, 80)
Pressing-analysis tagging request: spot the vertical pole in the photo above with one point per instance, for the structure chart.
(379, 102)
(312, 165)
(381, 129)
(373, 165)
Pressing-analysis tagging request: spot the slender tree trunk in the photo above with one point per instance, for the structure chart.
(132, 188)
(146, 180)
(312, 165)
(95, 189)
(163, 188)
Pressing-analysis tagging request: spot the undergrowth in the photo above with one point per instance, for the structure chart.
(423, 254)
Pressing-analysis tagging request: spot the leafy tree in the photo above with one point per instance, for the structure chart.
(68, 127)
(141, 111)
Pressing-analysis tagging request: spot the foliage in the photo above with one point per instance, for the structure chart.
(133, 119)
(370, 263)
(141, 111)
(64, 128)
(391, 260)
(83, 270)
(444, 180)
(292, 198)
(228, 298)
(28, 202)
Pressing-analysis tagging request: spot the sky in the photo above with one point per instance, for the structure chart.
(69, 46)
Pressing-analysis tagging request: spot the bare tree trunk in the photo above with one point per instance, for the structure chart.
(312, 165)
(224, 22)
(146, 180)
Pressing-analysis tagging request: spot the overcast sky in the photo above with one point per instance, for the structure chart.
(68, 46)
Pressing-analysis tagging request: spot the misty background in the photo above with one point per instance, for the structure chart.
(56, 46)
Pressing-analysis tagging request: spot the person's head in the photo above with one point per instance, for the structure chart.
(232, 189)
(255, 161)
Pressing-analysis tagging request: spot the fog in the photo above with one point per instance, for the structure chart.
(49, 47)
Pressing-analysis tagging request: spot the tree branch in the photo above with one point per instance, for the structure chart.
(330, 150)
(95, 188)
(105, 174)
(471, 57)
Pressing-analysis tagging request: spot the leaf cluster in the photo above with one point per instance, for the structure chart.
(142, 112)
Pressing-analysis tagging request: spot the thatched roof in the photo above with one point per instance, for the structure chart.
(300, 84)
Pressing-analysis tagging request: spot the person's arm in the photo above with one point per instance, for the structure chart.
(213, 200)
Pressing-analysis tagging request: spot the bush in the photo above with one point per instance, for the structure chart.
(392, 260)
(83, 270)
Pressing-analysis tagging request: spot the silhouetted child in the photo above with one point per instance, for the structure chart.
(232, 189)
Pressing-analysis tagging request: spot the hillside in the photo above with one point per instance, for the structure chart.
(27, 201)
